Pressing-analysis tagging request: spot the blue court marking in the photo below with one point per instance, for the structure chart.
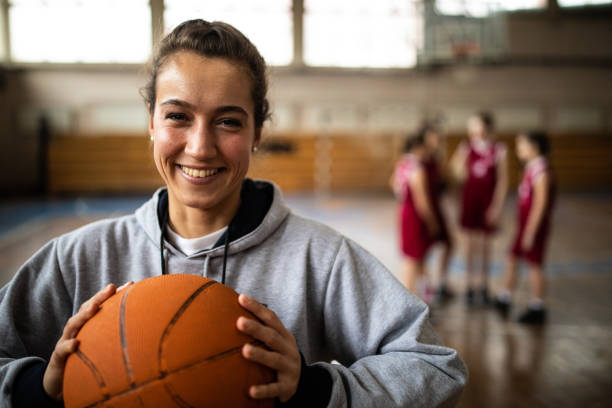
(17, 214)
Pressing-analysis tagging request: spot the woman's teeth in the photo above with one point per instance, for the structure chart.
(199, 173)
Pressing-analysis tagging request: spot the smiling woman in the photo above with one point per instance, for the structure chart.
(317, 295)
(203, 132)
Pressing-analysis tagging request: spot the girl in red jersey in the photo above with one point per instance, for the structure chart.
(480, 163)
(536, 196)
(416, 182)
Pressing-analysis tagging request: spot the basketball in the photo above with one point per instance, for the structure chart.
(166, 341)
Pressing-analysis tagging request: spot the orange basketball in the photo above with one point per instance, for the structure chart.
(167, 341)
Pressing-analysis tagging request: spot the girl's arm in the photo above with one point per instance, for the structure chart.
(418, 186)
(536, 213)
(499, 194)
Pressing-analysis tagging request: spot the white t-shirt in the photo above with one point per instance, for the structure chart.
(190, 246)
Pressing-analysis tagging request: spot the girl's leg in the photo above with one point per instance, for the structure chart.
(443, 292)
(538, 283)
(413, 269)
(503, 300)
(536, 312)
(511, 275)
(469, 260)
(486, 262)
(472, 249)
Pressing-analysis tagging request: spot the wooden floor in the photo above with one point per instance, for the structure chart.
(566, 363)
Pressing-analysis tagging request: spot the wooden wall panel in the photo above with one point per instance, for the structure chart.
(304, 162)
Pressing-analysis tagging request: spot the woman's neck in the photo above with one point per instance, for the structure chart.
(190, 222)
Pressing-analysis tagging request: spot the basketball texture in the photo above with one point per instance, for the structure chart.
(167, 341)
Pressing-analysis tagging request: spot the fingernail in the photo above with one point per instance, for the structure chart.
(243, 321)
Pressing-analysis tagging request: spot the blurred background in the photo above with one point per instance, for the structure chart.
(349, 79)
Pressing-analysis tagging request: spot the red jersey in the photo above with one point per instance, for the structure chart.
(414, 239)
(478, 190)
(533, 171)
(414, 236)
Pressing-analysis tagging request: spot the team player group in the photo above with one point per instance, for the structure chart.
(479, 165)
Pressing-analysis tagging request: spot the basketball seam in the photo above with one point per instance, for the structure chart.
(173, 321)
(176, 370)
(94, 370)
(124, 345)
(176, 398)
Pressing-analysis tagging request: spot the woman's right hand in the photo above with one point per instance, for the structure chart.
(54, 374)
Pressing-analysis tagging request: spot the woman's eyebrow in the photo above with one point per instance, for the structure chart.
(177, 102)
(231, 108)
(221, 109)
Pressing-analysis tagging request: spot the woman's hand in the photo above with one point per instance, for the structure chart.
(492, 215)
(282, 355)
(67, 344)
(527, 241)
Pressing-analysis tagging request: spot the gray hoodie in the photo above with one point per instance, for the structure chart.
(337, 300)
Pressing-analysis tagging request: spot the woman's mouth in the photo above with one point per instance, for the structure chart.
(200, 173)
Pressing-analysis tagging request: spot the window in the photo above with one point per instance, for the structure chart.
(362, 33)
(267, 23)
(575, 3)
(480, 8)
(80, 31)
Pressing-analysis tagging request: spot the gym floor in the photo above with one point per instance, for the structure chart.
(565, 363)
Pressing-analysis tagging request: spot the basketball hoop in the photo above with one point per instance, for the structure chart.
(465, 49)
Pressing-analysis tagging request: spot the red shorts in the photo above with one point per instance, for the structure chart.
(414, 238)
(476, 199)
(535, 254)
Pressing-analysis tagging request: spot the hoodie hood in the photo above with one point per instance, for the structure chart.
(262, 210)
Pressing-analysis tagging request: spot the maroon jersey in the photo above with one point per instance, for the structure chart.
(414, 238)
(533, 170)
(478, 190)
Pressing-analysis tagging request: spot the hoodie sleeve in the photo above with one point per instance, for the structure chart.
(380, 334)
(34, 307)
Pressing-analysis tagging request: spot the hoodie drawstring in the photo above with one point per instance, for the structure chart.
(161, 248)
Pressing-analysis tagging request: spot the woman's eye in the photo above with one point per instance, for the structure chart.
(230, 122)
(176, 116)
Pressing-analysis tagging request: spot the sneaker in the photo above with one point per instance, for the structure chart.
(502, 306)
(533, 316)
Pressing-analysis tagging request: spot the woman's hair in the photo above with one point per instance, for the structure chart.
(418, 139)
(487, 119)
(539, 139)
(213, 40)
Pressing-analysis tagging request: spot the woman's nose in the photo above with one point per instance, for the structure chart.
(201, 143)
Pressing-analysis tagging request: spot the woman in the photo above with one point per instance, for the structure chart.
(326, 297)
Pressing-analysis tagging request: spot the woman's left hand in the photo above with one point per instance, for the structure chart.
(282, 355)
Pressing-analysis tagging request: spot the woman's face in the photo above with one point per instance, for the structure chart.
(476, 129)
(203, 130)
